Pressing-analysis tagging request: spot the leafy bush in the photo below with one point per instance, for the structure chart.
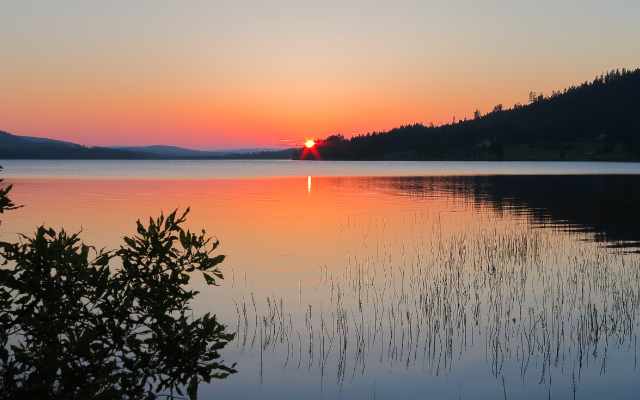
(77, 323)
(5, 201)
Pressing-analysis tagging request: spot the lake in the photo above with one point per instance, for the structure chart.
(374, 280)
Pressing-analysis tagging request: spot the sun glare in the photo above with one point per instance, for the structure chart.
(309, 143)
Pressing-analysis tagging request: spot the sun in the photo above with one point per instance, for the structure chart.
(309, 143)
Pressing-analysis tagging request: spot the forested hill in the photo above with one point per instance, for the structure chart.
(598, 120)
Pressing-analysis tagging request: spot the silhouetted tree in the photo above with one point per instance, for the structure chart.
(567, 125)
(5, 202)
(533, 97)
(78, 323)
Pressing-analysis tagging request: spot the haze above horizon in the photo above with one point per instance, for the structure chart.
(233, 75)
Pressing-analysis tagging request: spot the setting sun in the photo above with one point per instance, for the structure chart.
(309, 143)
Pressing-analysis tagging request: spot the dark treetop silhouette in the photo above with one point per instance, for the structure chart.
(5, 203)
(78, 323)
(594, 121)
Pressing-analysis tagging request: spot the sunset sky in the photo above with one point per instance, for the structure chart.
(218, 74)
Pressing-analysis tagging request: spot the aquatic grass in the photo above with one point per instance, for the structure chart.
(525, 299)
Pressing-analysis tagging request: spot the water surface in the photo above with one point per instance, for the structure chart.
(378, 280)
(219, 169)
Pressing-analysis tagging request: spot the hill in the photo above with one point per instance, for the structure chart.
(14, 146)
(594, 121)
(161, 151)
(27, 147)
(165, 151)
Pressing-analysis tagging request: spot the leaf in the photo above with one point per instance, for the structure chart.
(210, 280)
(215, 261)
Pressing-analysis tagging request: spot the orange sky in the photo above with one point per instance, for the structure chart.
(245, 74)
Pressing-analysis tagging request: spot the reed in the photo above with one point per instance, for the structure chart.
(532, 300)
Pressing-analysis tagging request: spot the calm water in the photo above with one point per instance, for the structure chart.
(376, 280)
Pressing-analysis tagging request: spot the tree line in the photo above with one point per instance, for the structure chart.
(592, 121)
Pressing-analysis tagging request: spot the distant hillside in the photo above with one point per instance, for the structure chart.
(14, 146)
(165, 151)
(26, 147)
(597, 120)
(284, 154)
(181, 152)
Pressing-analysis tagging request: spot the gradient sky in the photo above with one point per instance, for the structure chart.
(218, 74)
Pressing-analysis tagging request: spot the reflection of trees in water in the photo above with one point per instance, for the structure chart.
(80, 323)
(602, 204)
(531, 302)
